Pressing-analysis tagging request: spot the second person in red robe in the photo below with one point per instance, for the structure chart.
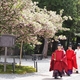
(71, 59)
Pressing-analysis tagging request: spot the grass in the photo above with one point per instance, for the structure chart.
(18, 69)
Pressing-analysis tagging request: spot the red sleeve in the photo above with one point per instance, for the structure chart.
(74, 60)
(74, 55)
(63, 55)
(52, 57)
(66, 52)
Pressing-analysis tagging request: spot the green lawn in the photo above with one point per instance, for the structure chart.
(18, 69)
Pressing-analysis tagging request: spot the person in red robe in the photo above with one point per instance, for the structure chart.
(58, 62)
(71, 59)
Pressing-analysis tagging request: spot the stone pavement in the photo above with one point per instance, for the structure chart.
(37, 76)
(42, 74)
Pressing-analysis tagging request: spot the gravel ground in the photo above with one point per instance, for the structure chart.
(42, 74)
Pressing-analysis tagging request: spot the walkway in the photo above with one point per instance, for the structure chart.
(42, 74)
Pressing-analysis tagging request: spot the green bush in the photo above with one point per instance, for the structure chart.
(27, 48)
(18, 69)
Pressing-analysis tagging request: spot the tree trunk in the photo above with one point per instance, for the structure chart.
(21, 52)
(45, 48)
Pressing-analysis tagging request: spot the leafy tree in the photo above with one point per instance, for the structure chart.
(26, 20)
(71, 8)
(77, 17)
(20, 18)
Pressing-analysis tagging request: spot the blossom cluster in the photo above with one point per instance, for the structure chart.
(25, 19)
(60, 37)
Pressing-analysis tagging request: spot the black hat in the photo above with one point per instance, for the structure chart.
(59, 44)
(70, 45)
(78, 44)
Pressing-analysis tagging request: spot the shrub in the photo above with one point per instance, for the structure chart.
(18, 69)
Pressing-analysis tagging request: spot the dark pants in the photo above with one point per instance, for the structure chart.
(57, 73)
(70, 71)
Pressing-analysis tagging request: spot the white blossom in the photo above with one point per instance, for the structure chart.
(65, 18)
(70, 17)
(29, 20)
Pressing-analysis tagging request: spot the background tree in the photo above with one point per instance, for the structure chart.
(26, 20)
(71, 8)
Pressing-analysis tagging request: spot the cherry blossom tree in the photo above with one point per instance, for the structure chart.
(21, 17)
(26, 20)
(43, 23)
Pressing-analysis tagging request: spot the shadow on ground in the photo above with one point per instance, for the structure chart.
(13, 76)
(51, 79)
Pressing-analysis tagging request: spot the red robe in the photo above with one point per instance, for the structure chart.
(58, 61)
(71, 59)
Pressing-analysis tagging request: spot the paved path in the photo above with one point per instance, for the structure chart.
(36, 76)
(42, 74)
